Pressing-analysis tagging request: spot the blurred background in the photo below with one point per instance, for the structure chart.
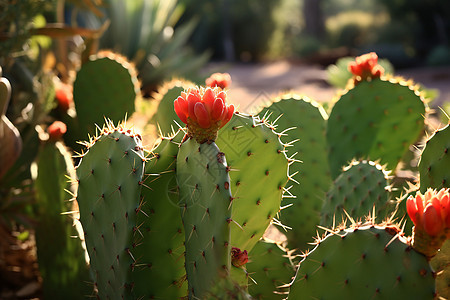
(268, 47)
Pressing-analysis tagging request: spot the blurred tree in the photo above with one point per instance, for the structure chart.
(243, 26)
(314, 19)
(430, 19)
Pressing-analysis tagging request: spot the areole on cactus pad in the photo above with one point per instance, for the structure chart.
(204, 111)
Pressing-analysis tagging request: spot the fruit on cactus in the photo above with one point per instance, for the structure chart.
(205, 111)
(430, 213)
(64, 95)
(238, 257)
(222, 80)
(56, 130)
(366, 66)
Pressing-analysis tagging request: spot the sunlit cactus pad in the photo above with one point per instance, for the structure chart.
(109, 185)
(364, 262)
(376, 120)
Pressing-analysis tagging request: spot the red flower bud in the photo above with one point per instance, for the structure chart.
(64, 95)
(366, 66)
(222, 80)
(56, 130)
(238, 257)
(204, 111)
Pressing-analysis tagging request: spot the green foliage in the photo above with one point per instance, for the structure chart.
(144, 32)
(16, 24)
(247, 27)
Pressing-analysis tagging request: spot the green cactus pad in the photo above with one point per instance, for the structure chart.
(271, 269)
(165, 116)
(105, 86)
(109, 185)
(376, 120)
(160, 268)
(60, 254)
(435, 173)
(364, 262)
(205, 198)
(306, 120)
(258, 174)
(435, 161)
(362, 186)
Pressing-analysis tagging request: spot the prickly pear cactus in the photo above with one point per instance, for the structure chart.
(109, 186)
(58, 245)
(361, 189)
(105, 86)
(435, 160)
(165, 117)
(206, 202)
(306, 121)
(376, 120)
(364, 262)
(271, 269)
(258, 170)
(160, 272)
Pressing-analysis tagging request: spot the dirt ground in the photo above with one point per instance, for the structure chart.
(256, 83)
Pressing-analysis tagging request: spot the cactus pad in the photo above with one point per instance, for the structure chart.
(435, 161)
(306, 120)
(165, 116)
(109, 185)
(205, 198)
(375, 120)
(160, 268)
(364, 262)
(105, 86)
(362, 186)
(270, 267)
(258, 174)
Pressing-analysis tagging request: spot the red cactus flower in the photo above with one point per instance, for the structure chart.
(430, 214)
(238, 257)
(366, 66)
(64, 95)
(205, 111)
(56, 130)
(222, 80)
